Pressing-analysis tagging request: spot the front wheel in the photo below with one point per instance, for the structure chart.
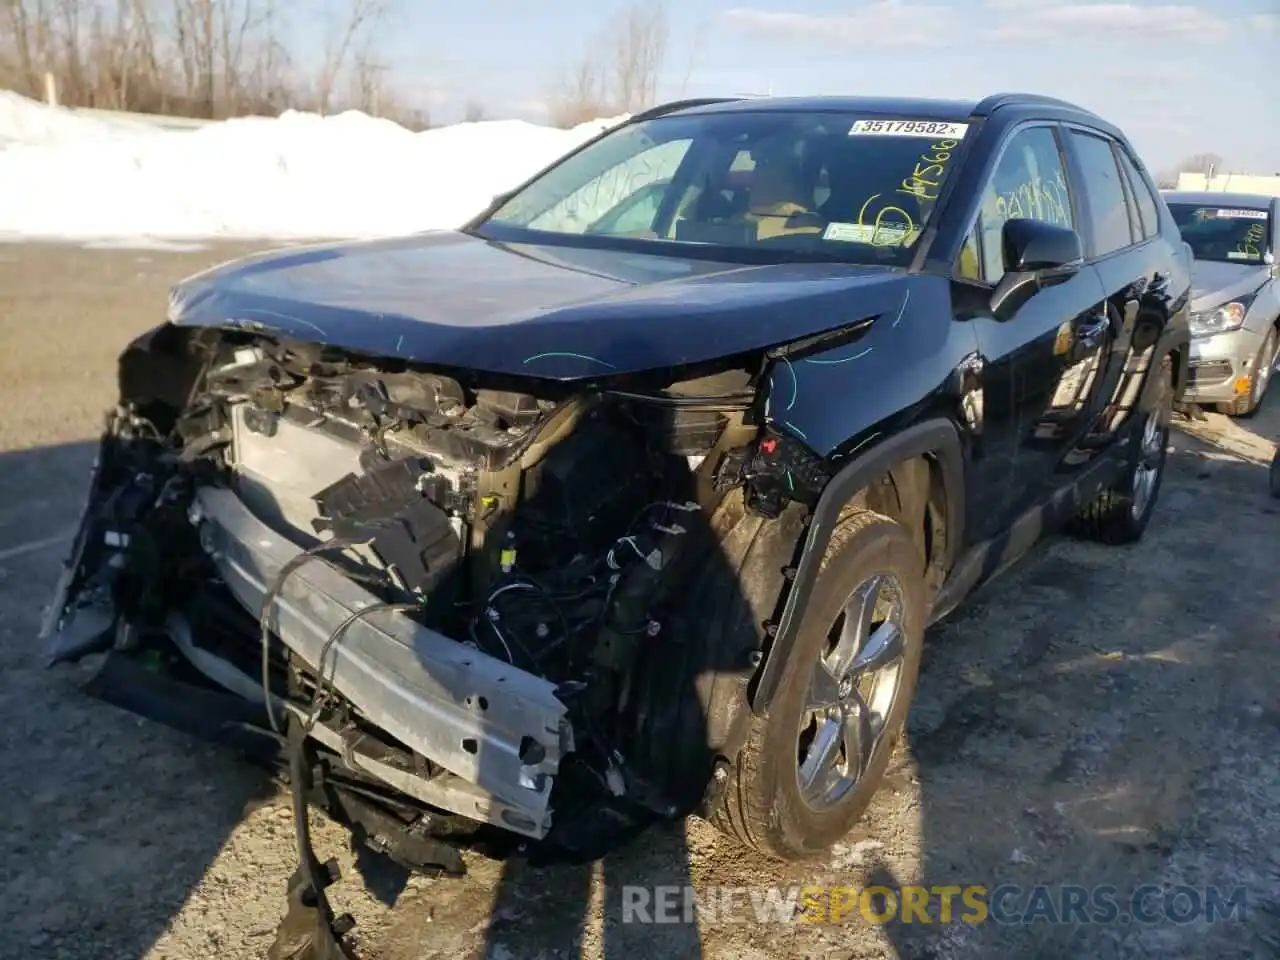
(812, 764)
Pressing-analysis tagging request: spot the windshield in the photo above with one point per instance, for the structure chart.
(824, 186)
(1234, 234)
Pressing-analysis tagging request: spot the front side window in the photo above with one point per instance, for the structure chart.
(1103, 193)
(769, 184)
(1228, 234)
(1029, 182)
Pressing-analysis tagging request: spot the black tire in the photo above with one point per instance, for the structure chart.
(1248, 405)
(1117, 516)
(762, 805)
(1275, 474)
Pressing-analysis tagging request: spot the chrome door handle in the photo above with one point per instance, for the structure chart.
(1091, 334)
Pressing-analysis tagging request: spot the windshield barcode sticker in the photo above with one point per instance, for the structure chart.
(880, 235)
(1222, 214)
(908, 128)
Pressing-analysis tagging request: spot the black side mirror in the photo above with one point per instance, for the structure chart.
(1036, 255)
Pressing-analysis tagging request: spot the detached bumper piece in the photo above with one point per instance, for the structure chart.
(309, 930)
(498, 732)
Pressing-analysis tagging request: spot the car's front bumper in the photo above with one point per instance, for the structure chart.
(498, 731)
(1221, 367)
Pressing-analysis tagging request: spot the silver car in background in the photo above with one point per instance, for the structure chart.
(1235, 308)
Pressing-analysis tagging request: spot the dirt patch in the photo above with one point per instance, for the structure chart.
(1096, 716)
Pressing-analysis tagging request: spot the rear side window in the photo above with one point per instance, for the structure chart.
(1104, 195)
(1141, 191)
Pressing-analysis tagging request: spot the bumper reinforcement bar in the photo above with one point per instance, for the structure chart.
(499, 730)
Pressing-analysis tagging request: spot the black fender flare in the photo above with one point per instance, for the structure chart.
(937, 438)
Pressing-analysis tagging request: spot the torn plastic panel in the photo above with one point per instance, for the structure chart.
(776, 470)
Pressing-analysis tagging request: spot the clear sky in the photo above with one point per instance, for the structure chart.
(1180, 78)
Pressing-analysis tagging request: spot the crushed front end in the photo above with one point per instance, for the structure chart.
(463, 591)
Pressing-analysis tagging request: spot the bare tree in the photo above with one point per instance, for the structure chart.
(695, 50)
(344, 35)
(581, 94)
(367, 82)
(206, 58)
(475, 112)
(619, 72)
(1201, 163)
(637, 51)
(416, 119)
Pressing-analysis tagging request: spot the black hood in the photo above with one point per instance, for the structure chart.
(556, 312)
(1214, 282)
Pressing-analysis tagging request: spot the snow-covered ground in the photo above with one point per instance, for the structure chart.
(65, 175)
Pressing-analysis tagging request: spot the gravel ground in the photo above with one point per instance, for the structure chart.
(1095, 716)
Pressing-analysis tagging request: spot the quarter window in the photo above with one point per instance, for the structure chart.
(1029, 183)
(1103, 192)
(970, 265)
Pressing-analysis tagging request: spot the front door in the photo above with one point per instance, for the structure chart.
(1046, 363)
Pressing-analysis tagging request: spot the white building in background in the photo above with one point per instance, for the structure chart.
(1230, 183)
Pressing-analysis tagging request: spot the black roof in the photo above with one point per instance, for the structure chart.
(924, 108)
(950, 110)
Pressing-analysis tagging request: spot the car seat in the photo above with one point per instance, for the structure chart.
(780, 202)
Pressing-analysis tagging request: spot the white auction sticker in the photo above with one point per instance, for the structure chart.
(939, 129)
(1241, 214)
(881, 235)
(849, 232)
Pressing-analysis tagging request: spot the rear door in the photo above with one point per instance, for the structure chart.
(1040, 365)
(1134, 265)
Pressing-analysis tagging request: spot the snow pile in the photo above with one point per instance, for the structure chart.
(65, 175)
(26, 122)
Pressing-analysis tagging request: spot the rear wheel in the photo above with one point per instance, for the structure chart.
(812, 764)
(1120, 514)
(1275, 474)
(1263, 366)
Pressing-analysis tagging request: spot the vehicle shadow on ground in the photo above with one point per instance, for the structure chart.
(602, 901)
(1070, 721)
(1068, 718)
(111, 822)
(123, 818)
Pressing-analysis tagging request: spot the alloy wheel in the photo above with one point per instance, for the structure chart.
(852, 692)
(1150, 455)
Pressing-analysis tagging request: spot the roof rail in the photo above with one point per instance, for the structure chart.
(665, 108)
(991, 103)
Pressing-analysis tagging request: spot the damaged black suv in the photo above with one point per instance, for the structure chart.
(634, 497)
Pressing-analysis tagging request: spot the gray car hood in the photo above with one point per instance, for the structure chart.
(1214, 283)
